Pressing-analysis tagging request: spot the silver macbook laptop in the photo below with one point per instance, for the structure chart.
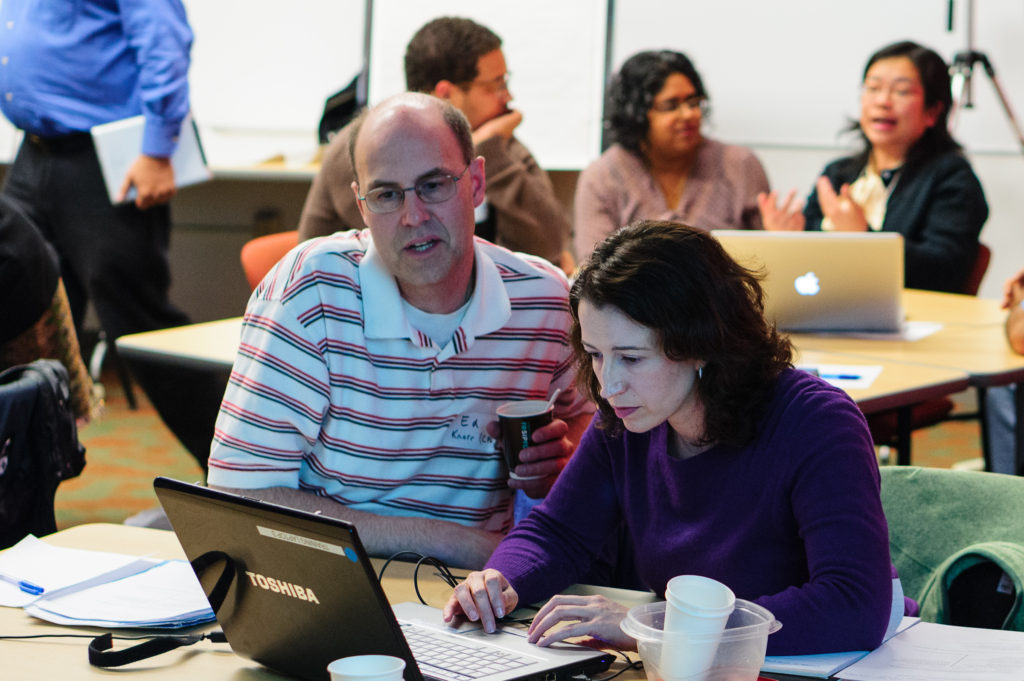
(825, 281)
(294, 591)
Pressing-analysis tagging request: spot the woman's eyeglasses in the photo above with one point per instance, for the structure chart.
(693, 103)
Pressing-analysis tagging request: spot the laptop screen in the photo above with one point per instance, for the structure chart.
(824, 281)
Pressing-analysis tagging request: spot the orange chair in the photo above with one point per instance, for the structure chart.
(260, 254)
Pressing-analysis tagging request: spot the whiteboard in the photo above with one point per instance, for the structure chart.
(787, 73)
(554, 50)
(262, 69)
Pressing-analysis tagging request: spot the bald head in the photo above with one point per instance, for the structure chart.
(416, 109)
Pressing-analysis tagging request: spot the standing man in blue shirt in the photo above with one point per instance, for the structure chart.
(64, 68)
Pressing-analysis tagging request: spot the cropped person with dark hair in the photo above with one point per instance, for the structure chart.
(910, 177)
(460, 61)
(712, 449)
(37, 321)
(447, 49)
(661, 165)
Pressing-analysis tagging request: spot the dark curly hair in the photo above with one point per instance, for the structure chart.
(447, 48)
(934, 74)
(679, 282)
(633, 89)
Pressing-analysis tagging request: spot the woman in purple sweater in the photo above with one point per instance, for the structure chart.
(720, 457)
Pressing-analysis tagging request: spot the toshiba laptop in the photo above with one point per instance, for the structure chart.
(825, 281)
(294, 591)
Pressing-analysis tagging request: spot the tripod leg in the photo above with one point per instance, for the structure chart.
(1006, 107)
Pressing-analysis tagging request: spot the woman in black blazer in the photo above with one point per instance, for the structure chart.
(911, 176)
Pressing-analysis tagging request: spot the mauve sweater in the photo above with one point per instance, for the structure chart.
(792, 522)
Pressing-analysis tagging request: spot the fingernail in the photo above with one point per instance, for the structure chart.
(501, 611)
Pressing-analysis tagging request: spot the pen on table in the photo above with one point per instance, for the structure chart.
(842, 377)
(25, 585)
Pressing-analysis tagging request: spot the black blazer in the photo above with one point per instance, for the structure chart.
(939, 209)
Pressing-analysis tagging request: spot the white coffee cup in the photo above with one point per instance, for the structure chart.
(367, 668)
(696, 612)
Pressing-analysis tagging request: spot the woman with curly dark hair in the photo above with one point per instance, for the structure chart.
(661, 166)
(721, 459)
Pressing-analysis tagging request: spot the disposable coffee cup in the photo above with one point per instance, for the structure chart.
(518, 421)
(696, 612)
(367, 668)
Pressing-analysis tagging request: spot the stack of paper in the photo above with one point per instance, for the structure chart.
(96, 588)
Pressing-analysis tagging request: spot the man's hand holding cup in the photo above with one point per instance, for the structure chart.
(534, 443)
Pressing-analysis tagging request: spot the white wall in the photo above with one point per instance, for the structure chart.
(555, 54)
(262, 69)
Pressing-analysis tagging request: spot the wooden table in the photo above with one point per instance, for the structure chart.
(65, 659)
(208, 345)
(901, 384)
(972, 340)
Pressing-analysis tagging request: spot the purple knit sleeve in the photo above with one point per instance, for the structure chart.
(554, 546)
(846, 600)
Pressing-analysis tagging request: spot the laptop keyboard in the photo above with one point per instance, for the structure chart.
(445, 657)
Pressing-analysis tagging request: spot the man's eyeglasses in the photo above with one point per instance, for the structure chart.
(499, 84)
(694, 103)
(436, 188)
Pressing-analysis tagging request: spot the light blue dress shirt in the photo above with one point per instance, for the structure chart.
(67, 65)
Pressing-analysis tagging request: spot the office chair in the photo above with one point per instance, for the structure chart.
(886, 428)
(39, 447)
(263, 252)
(957, 542)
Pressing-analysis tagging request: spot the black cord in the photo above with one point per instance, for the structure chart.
(118, 638)
(443, 571)
(630, 664)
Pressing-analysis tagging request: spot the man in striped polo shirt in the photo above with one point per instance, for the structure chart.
(372, 361)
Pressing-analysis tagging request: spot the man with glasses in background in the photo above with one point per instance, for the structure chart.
(462, 62)
(371, 362)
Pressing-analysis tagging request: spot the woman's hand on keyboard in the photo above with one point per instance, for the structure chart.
(482, 597)
(595, 616)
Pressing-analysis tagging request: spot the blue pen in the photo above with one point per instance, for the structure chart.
(25, 585)
(842, 377)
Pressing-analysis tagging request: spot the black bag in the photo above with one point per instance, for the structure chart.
(39, 447)
(339, 109)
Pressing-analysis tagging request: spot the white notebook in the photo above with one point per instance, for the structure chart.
(119, 143)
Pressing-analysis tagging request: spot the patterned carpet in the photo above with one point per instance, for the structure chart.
(126, 449)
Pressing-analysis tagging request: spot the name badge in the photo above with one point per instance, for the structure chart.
(468, 431)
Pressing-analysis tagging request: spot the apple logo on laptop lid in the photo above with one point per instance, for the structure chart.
(807, 284)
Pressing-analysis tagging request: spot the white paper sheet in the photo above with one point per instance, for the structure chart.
(56, 568)
(909, 331)
(941, 652)
(166, 595)
(846, 376)
(822, 666)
